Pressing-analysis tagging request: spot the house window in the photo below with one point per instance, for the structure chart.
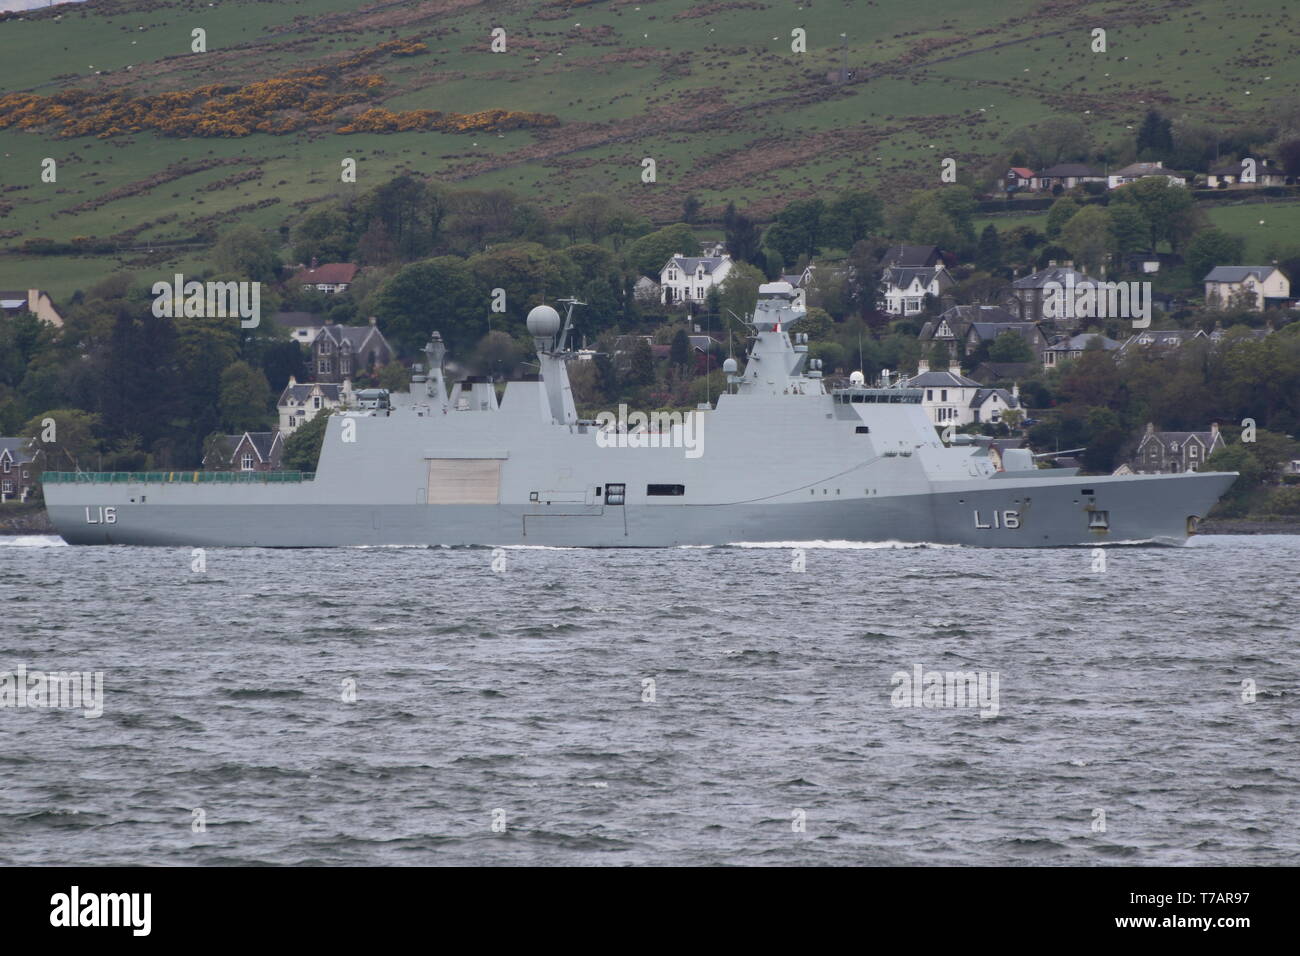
(943, 395)
(929, 394)
(315, 402)
(326, 347)
(7, 487)
(7, 466)
(325, 366)
(247, 463)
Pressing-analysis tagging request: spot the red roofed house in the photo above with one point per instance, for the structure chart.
(1020, 177)
(331, 277)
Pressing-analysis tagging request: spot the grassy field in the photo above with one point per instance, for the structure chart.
(708, 88)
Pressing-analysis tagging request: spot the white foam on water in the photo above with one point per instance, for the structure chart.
(840, 545)
(32, 541)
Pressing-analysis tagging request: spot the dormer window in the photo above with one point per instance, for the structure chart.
(247, 463)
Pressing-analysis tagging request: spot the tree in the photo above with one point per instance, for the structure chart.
(641, 368)
(743, 236)
(402, 304)
(740, 290)
(592, 216)
(1213, 247)
(851, 217)
(1155, 137)
(245, 398)
(1288, 155)
(1061, 212)
(679, 353)
(245, 251)
(648, 254)
(497, 355)
(1164, 205)
(302, 448)
(1130, 228)
(1010, 347)
(72, 440)
(1052, 141)
(691, 208)
(797, 230)
(395, 377)
(1089, 237)
(326, 235)
(989, 254)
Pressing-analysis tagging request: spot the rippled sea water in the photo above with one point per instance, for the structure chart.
(522, 691)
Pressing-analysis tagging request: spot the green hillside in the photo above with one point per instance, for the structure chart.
(711, 91)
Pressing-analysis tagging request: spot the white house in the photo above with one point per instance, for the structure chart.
(302, 401)
(952, 399)
(332, 277)
(1240, 174)
(1135, 171)
(1258, 286)
(903, 288)
(689, 278)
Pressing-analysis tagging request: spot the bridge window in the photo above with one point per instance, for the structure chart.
(615, 494)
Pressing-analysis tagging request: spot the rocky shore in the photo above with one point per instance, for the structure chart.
(24, 519)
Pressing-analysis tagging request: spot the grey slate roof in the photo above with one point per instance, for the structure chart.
(688, 264)
(988, 331)
(301, 391)
(1237, 273)
(1080, 342)
(15, 448)
(910, 256)
(356, 337)
(937, 379)
(984, 394)
(1055, 274)
(299, 319)
(900, 277)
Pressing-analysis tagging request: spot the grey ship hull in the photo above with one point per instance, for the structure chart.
(1050, 512)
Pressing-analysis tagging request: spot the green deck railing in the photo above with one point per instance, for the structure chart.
(174, 477)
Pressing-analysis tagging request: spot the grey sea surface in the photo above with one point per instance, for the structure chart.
(519, 697)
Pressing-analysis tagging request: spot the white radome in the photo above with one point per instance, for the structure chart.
(543, 320)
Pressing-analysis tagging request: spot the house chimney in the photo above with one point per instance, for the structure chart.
(313, 263)
(922, 366)
(1214, 431)
(372, 320)
(1151, 429)
(1051, 263)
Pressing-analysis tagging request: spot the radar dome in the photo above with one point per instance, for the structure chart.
(730, 366)
(856, 378)
(543, 321)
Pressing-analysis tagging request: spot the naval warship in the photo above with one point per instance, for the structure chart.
(782, 456)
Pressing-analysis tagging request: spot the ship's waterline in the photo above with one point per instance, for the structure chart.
(786, 459)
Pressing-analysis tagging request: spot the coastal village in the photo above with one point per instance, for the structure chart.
(968, 318)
